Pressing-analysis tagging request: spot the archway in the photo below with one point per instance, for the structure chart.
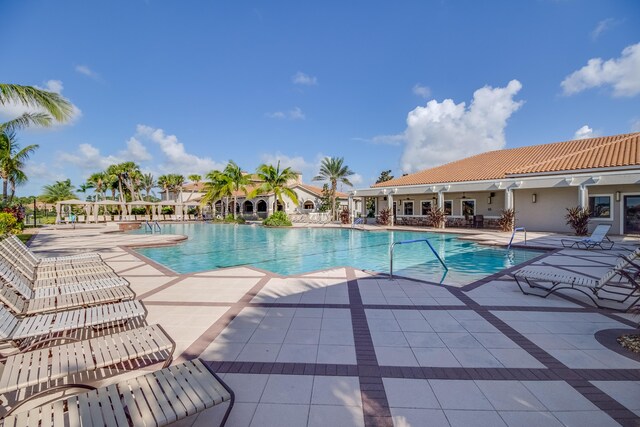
(247, 207)
(308, 205)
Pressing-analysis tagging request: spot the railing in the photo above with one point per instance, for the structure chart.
(393, 245)
(514, 233)
(153, 226)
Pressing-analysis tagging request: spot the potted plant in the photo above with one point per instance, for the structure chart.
(436, 217)
(507, 220)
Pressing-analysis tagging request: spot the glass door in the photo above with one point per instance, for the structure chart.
(632, 214)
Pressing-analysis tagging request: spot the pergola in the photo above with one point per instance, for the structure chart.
(72, 202)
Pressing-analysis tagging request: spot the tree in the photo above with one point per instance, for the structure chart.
(239, 182)
(12, 159)
(219, 186)
(384, 176)
(60, 190)
(147, 183)
(53, 103)
(276, 181)
(334, 170)
(325, 199)
(175, 183)
(84, 187)
(97, 181)
(163, 182)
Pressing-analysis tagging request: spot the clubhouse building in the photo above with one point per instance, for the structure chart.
(538, 182)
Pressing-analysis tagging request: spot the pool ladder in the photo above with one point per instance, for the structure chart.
(153, 226)
(514, 233)
(393, 245)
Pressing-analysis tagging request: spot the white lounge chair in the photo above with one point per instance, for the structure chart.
(158, 398)
(597, 239)
(22, 306)
(36, 373)
(11, 241)
(22, 330)
(627, 291)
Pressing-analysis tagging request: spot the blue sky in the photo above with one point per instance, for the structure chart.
(183, 87)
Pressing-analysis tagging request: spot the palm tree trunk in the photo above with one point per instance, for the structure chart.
(235, 206)
(4, 191)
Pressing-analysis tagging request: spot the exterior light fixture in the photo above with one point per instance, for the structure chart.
(534, 198)
(489, 200)
(617, 196)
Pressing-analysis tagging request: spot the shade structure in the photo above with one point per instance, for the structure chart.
(69, 202)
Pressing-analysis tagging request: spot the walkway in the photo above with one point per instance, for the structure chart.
(345, 348)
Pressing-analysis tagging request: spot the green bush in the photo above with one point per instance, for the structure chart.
(278, 219)
(167, 210)
(8, 224)
(138, 211)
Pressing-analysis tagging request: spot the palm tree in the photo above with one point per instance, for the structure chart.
(163, 182)
(239, 181)
(53, 103)
(97, 180)
(60, 190)
(176, 182)
(12, 159)
(334, 170)
(84, 187)
(219, 186)
(147, 183)
(275, 181)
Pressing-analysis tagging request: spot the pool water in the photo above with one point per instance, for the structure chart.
(292, 251)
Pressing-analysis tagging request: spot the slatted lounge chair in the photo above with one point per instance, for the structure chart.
(155, 399)
(31, 329)
(627, 292)
(36, 373)
(597, 239)
(22, 306)
(67, 284)
(18, 245)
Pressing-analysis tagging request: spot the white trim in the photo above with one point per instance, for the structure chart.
(444, 203)
(430, 201)
(475, 205)
(413, 205)
(621, 202)
(611, 203)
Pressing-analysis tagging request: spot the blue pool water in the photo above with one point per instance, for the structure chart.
(290, 251)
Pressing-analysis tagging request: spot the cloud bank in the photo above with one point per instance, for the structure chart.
(622, 74)
(441, 132)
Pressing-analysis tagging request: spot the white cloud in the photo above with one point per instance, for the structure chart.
(388, 139)
(442, 132)
(83, 69)
(602, 26)
(11, 110)
(584, 132)
(136, 151)
(88, 157)
(301, 78)
(620, 73)
(356, 179)
(297, 163)
(635, 125)
(178, 160)
(295, 114)
(422, 91)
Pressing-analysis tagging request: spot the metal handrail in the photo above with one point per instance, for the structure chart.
(514, 233)
(393, 245)
(152, 226)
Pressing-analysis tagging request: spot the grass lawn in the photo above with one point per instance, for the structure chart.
(24, 237)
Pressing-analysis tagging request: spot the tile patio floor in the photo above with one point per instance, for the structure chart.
(345, 348)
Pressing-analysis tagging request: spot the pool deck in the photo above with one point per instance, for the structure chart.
(345, 347)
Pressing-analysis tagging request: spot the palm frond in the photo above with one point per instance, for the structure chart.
(55, 104)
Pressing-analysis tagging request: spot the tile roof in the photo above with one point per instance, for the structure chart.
(603, 152)
(317, 191)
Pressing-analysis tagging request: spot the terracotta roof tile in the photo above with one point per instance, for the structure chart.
(603, 152)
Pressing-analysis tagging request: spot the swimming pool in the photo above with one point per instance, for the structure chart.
(292, 251)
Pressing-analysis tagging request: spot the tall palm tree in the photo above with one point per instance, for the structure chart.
(84, 187)
(176, 181)
(17, 178)
(163, 182)
(12, 159)
(147, 183)
(53, 103)
(59, 190)
(218, 186)
(97, 180)
(334, 170)
(239, 181)
(276, 181)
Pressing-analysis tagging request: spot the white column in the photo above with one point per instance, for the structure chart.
(583, 196)
(508, 199)
(363, 208)
(350, 207)
(441, 199)
(393, 213)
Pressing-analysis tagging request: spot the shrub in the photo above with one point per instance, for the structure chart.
(507, 220)
(167, 210)
(383, 217)
(436, 217)
(578, 219)
(8, 223)
(278, 219)
(344, 215)
(138, 211)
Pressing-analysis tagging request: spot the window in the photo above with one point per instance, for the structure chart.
(408, 208)
(425, 207)
(600, 207)
(448, 207)
(468, 207)
(308, 205)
